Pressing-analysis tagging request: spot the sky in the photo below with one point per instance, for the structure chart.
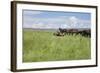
(55, 19)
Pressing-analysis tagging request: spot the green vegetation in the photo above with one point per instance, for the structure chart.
(44, 46)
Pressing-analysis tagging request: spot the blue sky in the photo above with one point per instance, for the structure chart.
(55, 19)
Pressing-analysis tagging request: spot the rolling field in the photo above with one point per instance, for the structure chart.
(44, 46)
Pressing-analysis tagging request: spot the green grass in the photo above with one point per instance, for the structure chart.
(44, 46)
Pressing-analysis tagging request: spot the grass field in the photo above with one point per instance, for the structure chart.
(44, 46)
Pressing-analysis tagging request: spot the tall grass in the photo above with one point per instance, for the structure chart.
(44, 46)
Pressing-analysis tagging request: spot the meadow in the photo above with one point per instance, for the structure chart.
(44, 46)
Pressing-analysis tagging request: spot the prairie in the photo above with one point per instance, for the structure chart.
(44, 46)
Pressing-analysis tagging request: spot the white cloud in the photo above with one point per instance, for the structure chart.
(59, 22)
(45, 26)
(38, 25)
(73, 20)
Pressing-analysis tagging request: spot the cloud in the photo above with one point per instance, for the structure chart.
(38, 25)
(45, 26)
(73, 20)
(54, 23)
